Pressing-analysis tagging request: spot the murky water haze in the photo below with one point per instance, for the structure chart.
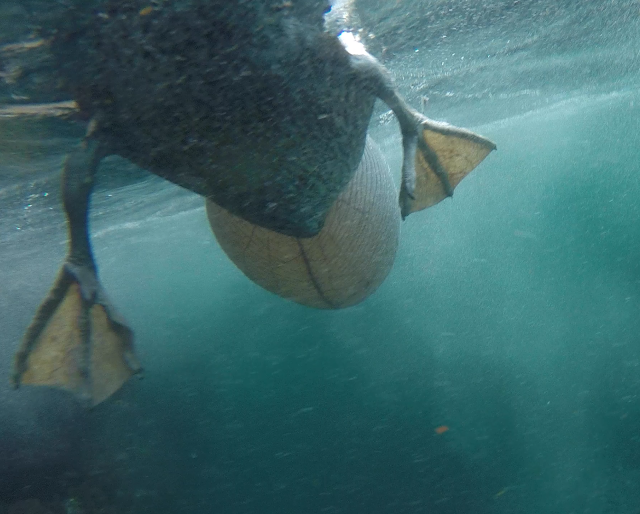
(510, 317)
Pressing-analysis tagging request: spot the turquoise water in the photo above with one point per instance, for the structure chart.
(510, 318)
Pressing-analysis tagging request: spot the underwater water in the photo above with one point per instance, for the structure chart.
(497, 370)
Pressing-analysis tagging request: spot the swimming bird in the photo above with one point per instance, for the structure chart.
(257, 108)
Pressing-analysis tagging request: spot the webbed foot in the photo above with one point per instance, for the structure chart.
(77, 342)
(437, 156)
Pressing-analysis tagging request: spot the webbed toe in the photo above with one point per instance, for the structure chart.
(444, 155)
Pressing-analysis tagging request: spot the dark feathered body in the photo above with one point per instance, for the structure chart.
(251, 105)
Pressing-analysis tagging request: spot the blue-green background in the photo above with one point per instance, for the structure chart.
(511, 315)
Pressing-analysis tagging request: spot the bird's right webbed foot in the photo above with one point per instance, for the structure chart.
(77, 341)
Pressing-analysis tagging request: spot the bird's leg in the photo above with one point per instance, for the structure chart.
(77, 341)
(437, 156)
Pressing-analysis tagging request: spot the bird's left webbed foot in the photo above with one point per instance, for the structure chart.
(436, 155)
